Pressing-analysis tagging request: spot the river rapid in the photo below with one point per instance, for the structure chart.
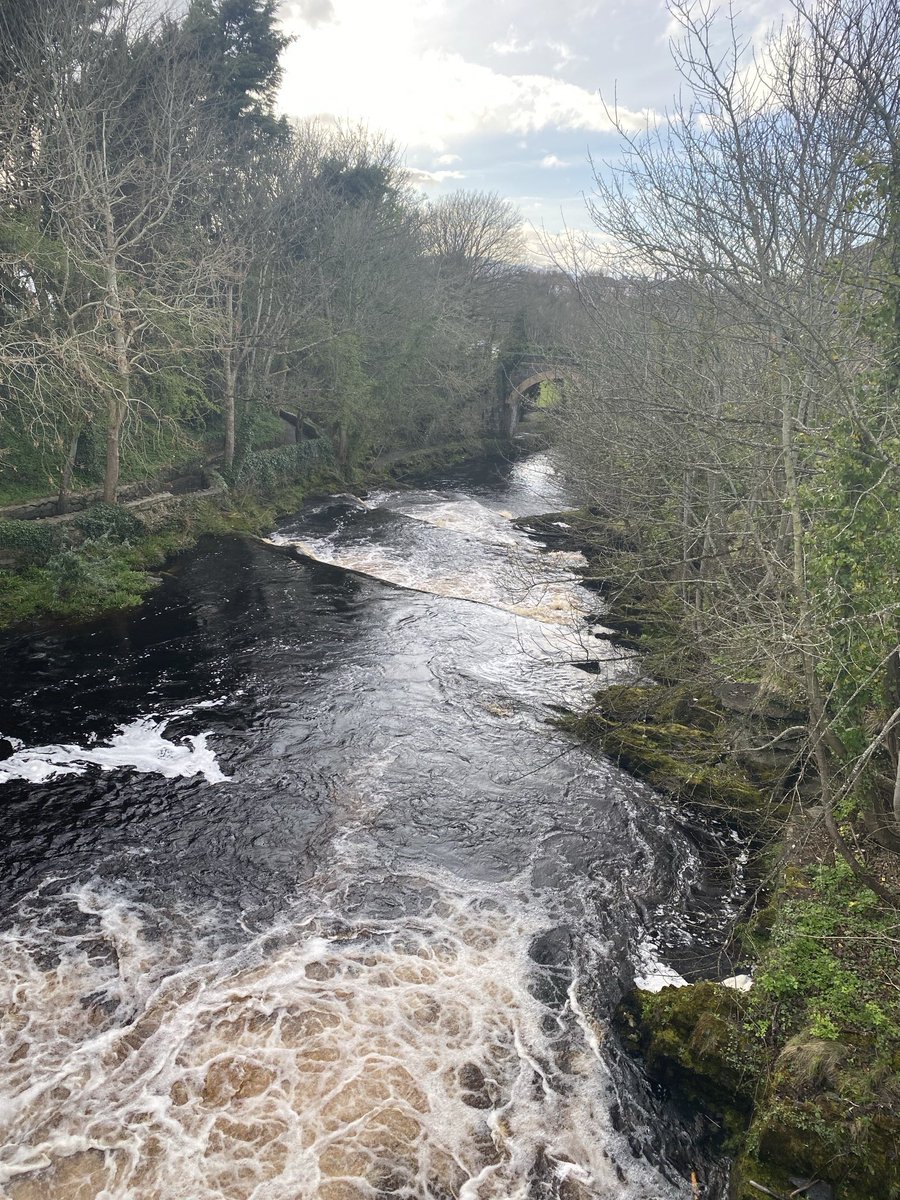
(303, 895)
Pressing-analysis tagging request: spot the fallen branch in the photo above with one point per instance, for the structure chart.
(768, 1191)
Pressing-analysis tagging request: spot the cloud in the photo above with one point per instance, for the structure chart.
(550, 162)
(427, 179)
(512, 45)
(371, 63)
(447, 160)
(564, 55)
(312, 12)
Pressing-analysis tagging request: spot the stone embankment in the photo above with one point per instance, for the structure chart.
(143, 497)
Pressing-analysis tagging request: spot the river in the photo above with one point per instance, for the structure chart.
(304, 895)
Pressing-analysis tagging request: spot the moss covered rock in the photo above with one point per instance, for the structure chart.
(693, 1042)
(674, 739)
(827, 1137)
(784, 1114)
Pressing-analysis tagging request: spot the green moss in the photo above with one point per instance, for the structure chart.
(638, 726)
(826, 1138)
(693, 1042)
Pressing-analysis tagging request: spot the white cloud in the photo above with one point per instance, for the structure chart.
(564, 55)
(550, 162)
(512, 45)
(373, 62)
(313, 12)
(426, 179)
(447, 160)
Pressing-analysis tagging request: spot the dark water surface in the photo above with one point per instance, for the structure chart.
(303, 897)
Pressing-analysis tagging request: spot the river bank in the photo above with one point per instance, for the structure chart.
(107, 558)
(799, 1072)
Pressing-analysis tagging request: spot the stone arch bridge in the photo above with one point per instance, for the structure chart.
(522, 385)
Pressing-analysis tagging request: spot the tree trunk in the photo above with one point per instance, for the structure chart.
(65, 479)
(229, 378)
(342, 445)
(115, 418)
(118, 398)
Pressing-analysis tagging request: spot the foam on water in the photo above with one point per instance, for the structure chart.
(140, 744)
(652, 974)
(516, 576)
(464, 516)
(328, 1057)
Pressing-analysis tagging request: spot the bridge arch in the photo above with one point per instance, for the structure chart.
(517, 396)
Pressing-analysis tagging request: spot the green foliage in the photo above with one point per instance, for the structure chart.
(513, 348)
(548, 395)
(239, 44)
(853, 564)
(356, 183)
(173, 393)
(345, 387)
(270, 469)
(30, 466)
(31, 542)
(109, 521)
(258, 428)
(21, 236)
(826, 963)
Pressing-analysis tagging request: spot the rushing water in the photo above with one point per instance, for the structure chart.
(306, 898)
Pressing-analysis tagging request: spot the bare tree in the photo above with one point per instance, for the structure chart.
(477, 236)
(734, 344)
(116, 159)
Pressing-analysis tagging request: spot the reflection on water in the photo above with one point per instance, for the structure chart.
(307, 899)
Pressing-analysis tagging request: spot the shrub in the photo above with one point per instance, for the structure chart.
(109, 521)
(32, 542)
(285, 464)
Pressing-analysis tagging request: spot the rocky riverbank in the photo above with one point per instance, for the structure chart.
(798, 1076)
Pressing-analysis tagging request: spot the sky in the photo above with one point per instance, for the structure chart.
(507, 96)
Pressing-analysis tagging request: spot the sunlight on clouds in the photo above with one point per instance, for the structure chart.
(373, 62)
(428, 179)
(512, 45)
(571, 249)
